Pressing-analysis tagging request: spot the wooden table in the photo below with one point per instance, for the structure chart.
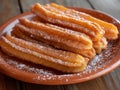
(11, 8)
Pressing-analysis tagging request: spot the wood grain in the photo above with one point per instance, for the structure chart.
(79, 3)
(112, 80)
(8, 9)
(96, 84)
(7, 83)
(111, 7)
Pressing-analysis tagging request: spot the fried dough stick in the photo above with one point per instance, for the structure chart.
(18, 33)
(27, 51)
(35, 34)
(79, 39)
(91, 29)
(44, 49)
(98, 45)
(111, 31)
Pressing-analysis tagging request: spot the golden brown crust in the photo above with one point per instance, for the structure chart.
(98, 45)
(27, 51)
(25, 36)
(111, 31)
(90, 53)
(85, 26)
(83, 40)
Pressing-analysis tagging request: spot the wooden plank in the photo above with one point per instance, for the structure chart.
(96, 84)
(76, 3)
(107, 82)
(8, 9)
(112, 80)
(111, 7)
(7, 83)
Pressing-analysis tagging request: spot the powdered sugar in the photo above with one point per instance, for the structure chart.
(48, 74)
(98, 62)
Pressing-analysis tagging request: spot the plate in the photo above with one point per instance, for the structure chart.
(103, 63)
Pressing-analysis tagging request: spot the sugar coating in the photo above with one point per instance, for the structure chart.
(97, 63)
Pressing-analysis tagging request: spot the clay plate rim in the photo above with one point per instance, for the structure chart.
(58, 79)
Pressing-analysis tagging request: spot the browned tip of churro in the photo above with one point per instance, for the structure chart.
(100, 45)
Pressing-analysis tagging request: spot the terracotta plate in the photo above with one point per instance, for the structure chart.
(103, 63)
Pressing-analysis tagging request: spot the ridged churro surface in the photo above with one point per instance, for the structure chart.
(58, 37)
(39, 54)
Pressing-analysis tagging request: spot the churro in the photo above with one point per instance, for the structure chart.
(98, 45)
(111, 31)
(49, 57)
(91, 29)
(37, 35)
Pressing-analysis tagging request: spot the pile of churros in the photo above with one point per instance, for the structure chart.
(58, 37)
